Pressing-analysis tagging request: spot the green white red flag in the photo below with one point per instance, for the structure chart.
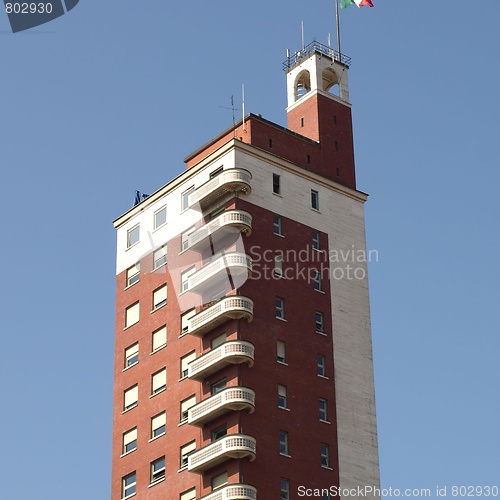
(360, 3)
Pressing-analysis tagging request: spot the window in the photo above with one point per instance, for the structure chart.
(285, 489)
(282, 402)
(159, 297)
(219, 432)
(133, 274)
(160, 217)
(280, 308)
(314, 199)
(218, 211)
(283, 443)
(278, 266)
(132, 315)
(323, 410)
(185, 360)
(185, 198)
(217, 341)
(302, 122)
(132, 355)
(130, 397)
(185, 406)
(216, 172)
(158, 425)
(277, 225)
(321, 365)
(186, 450)
(281, 351)
(159, 338)
(219, 386)
(315, 240)
(320, 323)
(185, 238)
(185, 277)
(189, 495)
(159, 381)
(318, 286)
(160, 257)
(130, 440)
(128, 485)
(158, 469)
(185, 320)
(276, 184)
(219, 481)
(325, 455)
(133, 236)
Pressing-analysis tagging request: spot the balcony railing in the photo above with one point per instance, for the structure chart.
(231, 446)
(234, 263)
(225, 223)
(232, 398)
(232, 352)
(233, 492)
(232, 307)
(232, 180)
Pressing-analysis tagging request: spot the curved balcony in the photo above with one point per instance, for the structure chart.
(232, 307)
(232, 398)
(231, 446)
(226, 223)
(233, 352)
(235, 263)
(232, 180)
(233, 492)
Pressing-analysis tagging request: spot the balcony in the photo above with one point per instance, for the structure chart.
(235, 263)
(233, 492)
(232, 398)
(233, 352)
(229, 181)
(228, 222)
(232, 307)
(231, 446)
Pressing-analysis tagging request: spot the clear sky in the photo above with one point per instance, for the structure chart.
(112, 96)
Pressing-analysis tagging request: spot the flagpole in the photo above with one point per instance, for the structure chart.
(338, 25)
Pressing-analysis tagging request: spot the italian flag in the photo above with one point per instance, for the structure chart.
(360, 3)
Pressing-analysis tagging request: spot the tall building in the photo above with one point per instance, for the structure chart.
(243, 365)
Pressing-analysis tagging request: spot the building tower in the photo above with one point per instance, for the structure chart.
(243, 365)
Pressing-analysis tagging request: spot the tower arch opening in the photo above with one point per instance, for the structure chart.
(331, 81)
(302, 84)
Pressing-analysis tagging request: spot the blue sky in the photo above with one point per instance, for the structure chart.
(111, 97)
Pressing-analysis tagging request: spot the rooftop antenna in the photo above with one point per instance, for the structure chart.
(303, 41)
(243, 105)
(337, 17)
(329, 41)
(233, 109)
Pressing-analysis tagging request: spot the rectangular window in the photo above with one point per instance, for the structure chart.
(185, 406)
(282, 400)
(160, 257)
(185, 238)
(132, 315)
(318, 285)
(276, 184)
(158, 469)
(159, 297)
(219, 481)
(320, 323)
(159, 381)
(187, 450)
(283, 443)
(185, 277)
(323, 410)
(277, 225)
(129, 485)
(316, 240)
(217, 341)
(219, 432)
(159, 338)
(216, 172)
(285, 489)
(219, 386)
(185, 320)
(321, 365)
(185, 198)
(130, 397)
(325, 455)
(185, 360)
(158, 425)
(278, 266)
(133, 236)
(189, 495)
(218, 211)
(133, 274)
(280, 308)
(130, 440)
(132, 355)
(314, 199)
(281, 351)
(160, 217)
